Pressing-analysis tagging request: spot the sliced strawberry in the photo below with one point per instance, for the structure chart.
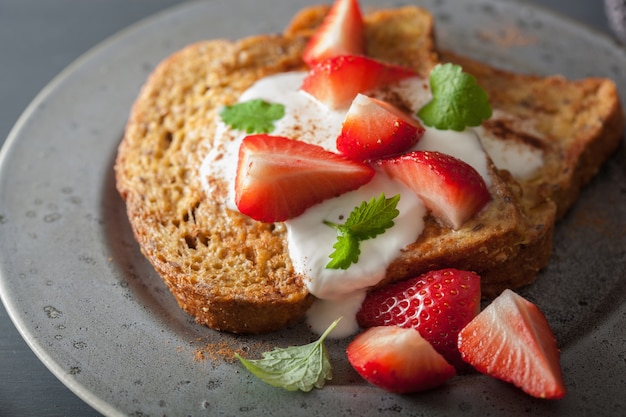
(374, 129)
(398, 360)
(342, 32)
(452, 189)
(438, 304)
(335, 81)
(511, 340)
(279, 178)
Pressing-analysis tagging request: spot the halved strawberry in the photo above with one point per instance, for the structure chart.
(511, 340)
(279, 178)
(342, 32)
(335, 81)
(374, 129)
(398, 360)
(438, 304)
(452, 189)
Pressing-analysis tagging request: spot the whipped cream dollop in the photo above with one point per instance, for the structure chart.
(310, 242)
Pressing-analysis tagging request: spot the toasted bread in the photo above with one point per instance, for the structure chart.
(234, 274)
(228, 271)
(507, 244)
(577, 125)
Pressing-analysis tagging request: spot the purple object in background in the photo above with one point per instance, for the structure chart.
(616, 14)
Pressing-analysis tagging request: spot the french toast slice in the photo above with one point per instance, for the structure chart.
(229, 272)
(506, 243)
(234, 274)
(574, 125)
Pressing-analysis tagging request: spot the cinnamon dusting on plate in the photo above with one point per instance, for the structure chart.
(223, 350)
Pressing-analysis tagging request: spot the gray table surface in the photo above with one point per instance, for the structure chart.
(38, 38)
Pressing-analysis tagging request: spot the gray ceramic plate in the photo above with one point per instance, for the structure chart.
(97, 315)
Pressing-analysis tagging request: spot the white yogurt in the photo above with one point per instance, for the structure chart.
(340, 292)
(522, 160)
(311, 242)
(323, 312)
(465, 145)
(304, 118)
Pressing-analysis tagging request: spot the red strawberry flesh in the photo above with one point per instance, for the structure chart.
(452, 189)
(438, 304)
(279, 178)
(398, 360)
(374, 129)
(342, 32)
(337, 80)
(511, 340)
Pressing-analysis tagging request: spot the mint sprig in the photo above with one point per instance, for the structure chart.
(296, 367)
(366, 221)
(458, 101)
(254, 116)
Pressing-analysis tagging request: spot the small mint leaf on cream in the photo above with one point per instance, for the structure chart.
(254, 116)
(366, 221)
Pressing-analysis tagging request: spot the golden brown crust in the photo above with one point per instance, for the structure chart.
(229, 272)
(235, 274)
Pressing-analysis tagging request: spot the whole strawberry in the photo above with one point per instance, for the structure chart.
(438, 304)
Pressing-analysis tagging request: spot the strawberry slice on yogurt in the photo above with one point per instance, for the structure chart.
(279, 178)
(336, 81)
(374, 129)
(449, 187)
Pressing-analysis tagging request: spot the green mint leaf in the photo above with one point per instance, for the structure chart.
(254, 116)
(458, 101)
(372, 218)
(346, 251)
(366, 221)
(296, 367)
